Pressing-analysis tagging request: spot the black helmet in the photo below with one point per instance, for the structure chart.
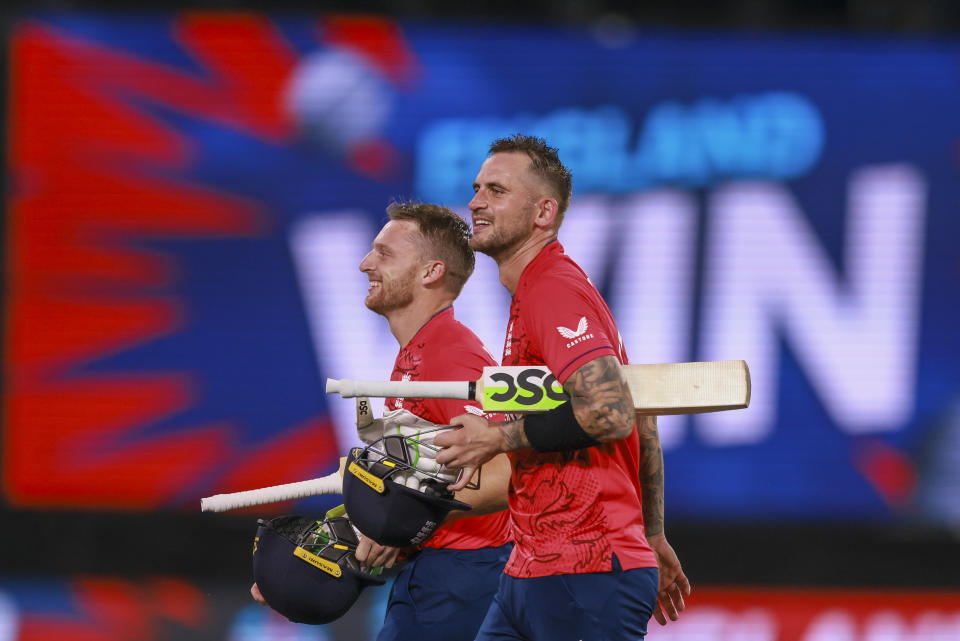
(305, 568)
(382, 506)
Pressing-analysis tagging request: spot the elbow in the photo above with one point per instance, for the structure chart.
(622, 422)
(606, 426)
(622, 430)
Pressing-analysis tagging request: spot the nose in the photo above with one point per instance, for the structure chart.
(477, 202)
(366, 264)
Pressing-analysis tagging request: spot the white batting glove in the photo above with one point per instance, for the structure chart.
(419, 435)
(369, 429)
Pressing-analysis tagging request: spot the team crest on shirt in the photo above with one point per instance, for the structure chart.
(577, 335)
(398, 403)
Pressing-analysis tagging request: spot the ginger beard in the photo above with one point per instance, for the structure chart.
(391, 292)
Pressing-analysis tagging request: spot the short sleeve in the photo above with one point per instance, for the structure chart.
(568, 325)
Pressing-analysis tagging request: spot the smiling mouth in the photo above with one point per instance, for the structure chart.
(480, 224)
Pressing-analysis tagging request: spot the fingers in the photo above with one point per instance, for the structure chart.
(468, 472)
(457, 421)
(454, 447)
(658, 615)
(468, 447)
(451, 449)
(385, 556)
(670, 601)
(684, 584)
(445, 457)
(674, 584)
(364, 550)
(388, 558)
(371, 554)
(255, 593)
(446, 439)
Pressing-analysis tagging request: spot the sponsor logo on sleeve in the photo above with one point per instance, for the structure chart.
(576, 335)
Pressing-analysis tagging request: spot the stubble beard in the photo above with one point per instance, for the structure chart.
(497, 242)
(393, 294)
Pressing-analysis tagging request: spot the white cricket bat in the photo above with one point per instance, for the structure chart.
(668, 388)
(330, 484)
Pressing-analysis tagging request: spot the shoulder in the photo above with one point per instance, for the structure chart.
(558, 287)
(554, 269)
(455, 353)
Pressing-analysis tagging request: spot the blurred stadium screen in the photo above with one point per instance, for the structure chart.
(193, 192)
(189, 196)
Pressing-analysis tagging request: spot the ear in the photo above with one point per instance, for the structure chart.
(433, 272)
(546, 216)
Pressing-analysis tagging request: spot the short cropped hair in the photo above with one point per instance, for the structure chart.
(545, 162)
(446, 238)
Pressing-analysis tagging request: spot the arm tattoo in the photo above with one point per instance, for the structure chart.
(651, 474)
(601, 400)
(514, 435)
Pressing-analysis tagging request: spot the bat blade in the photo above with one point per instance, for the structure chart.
(657, 389)
(689, 388)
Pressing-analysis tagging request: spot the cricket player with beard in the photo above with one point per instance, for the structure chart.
(417, 267)
(586, 488)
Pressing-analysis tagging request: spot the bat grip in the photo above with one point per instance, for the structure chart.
(349, 388)
(330, 484)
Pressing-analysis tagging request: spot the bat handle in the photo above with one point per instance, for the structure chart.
(344, 387)
(330, 484)
(349, 388)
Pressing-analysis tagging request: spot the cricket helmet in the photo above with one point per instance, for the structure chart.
(379, 501)
(306, 569)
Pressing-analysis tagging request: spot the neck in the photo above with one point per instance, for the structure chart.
(515, 260)
(407, 321)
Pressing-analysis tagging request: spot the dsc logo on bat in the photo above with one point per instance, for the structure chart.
(521, 389)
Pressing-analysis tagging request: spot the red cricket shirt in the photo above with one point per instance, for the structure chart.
(446, 350)
(571, 511)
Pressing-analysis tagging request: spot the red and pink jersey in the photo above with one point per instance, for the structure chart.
(571, 511)
(446, 350)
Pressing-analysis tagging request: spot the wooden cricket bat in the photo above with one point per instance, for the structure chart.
(668, 388)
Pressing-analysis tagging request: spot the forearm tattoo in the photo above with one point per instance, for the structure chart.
(601, 399)
(513, 435)
(651, 474)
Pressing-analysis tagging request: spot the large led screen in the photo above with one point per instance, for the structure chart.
(190, 196)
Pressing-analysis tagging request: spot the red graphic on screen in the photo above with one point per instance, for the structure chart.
(113, 609)
(97, 176)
